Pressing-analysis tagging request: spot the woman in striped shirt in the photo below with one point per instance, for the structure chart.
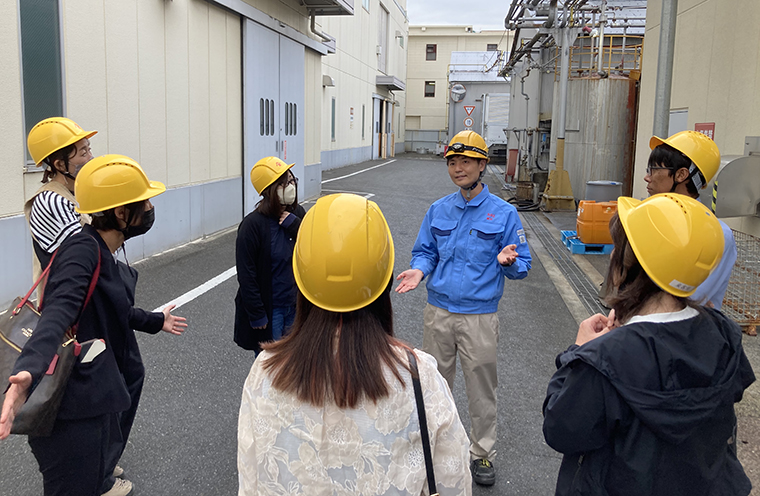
(64, 147)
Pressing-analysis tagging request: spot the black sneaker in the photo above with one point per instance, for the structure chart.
(483, 472)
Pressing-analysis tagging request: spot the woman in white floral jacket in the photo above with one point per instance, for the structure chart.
(330, 409)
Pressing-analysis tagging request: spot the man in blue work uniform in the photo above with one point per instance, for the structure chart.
(685, 163)
(468, 242)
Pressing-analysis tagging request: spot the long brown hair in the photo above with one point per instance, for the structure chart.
(630, 288)
(339, 355)
(270, 205)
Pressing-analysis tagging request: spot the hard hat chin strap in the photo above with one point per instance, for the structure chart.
(470, 188)
(694, 174)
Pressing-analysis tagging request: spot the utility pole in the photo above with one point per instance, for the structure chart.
(665, 68)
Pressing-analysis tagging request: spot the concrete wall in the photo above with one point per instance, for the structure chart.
(167, 94)
(431, 112)
(716, 75)
(353, 67)
(12, 139)
(161, 82)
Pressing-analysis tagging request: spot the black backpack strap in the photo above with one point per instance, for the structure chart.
(423, 422)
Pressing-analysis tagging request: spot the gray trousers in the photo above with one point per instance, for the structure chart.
(475, 338)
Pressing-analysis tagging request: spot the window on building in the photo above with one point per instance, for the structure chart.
(42, 77)
(332, 125)
(365, 4)
(271, 117)
(382, 39)
(291, 119)
(429, 88)
(261, 116)
(294, 119)
(492, 47)
(430, 52)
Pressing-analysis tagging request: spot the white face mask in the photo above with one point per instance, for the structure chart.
(287, 196)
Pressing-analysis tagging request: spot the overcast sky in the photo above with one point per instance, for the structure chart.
(481, 14)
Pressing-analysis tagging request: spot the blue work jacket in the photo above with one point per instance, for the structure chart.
(456, 251)
(713, 289)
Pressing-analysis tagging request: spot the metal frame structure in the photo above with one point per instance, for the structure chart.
(557, 24)
(610, 16)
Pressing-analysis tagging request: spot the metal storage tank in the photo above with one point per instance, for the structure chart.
(600, 131)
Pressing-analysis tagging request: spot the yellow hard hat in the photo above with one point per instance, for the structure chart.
(266, 171)
(675, 238)
(343, 259)
(699, 148)
(109, 181)
(50, 135)
(468, 143)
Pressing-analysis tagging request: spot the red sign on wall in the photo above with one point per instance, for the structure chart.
(706, 128)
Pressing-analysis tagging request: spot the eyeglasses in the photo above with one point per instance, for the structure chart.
(650, 169)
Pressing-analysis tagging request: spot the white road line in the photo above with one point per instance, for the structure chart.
(360, 193)
(358, 172)
(203, 288)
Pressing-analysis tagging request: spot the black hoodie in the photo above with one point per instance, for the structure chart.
(648, 409)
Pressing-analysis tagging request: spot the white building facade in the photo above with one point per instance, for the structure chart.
(197, 91)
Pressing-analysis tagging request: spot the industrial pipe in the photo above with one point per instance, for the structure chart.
(316, 31)
(552, 14)
(602, 22)
(665, 67)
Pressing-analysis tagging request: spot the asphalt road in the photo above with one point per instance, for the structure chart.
(184, 438)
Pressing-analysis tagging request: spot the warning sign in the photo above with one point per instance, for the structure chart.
(469, 109)
(468, 122)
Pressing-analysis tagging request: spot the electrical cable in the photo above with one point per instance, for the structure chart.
(524, 205)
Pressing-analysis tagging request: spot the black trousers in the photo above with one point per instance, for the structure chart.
(121, 424)
(72, 458)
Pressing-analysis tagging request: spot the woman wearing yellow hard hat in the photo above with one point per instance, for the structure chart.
(63, 147)
(643, 402)
(265, 303)
(86, 291)
(332, 405)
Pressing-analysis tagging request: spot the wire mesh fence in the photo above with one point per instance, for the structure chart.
(742, 300)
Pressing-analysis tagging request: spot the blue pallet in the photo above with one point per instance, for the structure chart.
(577, 247)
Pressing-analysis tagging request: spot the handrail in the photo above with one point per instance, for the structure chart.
(616, 57)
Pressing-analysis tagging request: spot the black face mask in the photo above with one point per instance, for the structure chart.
(148, 218)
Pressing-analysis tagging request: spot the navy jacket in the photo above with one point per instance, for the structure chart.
(97, 387)
(648, 409)
(253, 302)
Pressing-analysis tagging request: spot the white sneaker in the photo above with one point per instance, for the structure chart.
(120, 488)
(118, 471)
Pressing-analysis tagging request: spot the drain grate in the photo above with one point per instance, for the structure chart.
(586, 290)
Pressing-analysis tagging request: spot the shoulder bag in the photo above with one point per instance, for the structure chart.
(37, 416)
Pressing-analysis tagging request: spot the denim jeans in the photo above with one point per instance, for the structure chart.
(282, 319)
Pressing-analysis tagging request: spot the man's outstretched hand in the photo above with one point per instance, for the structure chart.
(507, 256)
(410, 279)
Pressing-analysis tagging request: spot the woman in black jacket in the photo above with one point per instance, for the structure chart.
(73, 459)
(643, 402)
(265, 303)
